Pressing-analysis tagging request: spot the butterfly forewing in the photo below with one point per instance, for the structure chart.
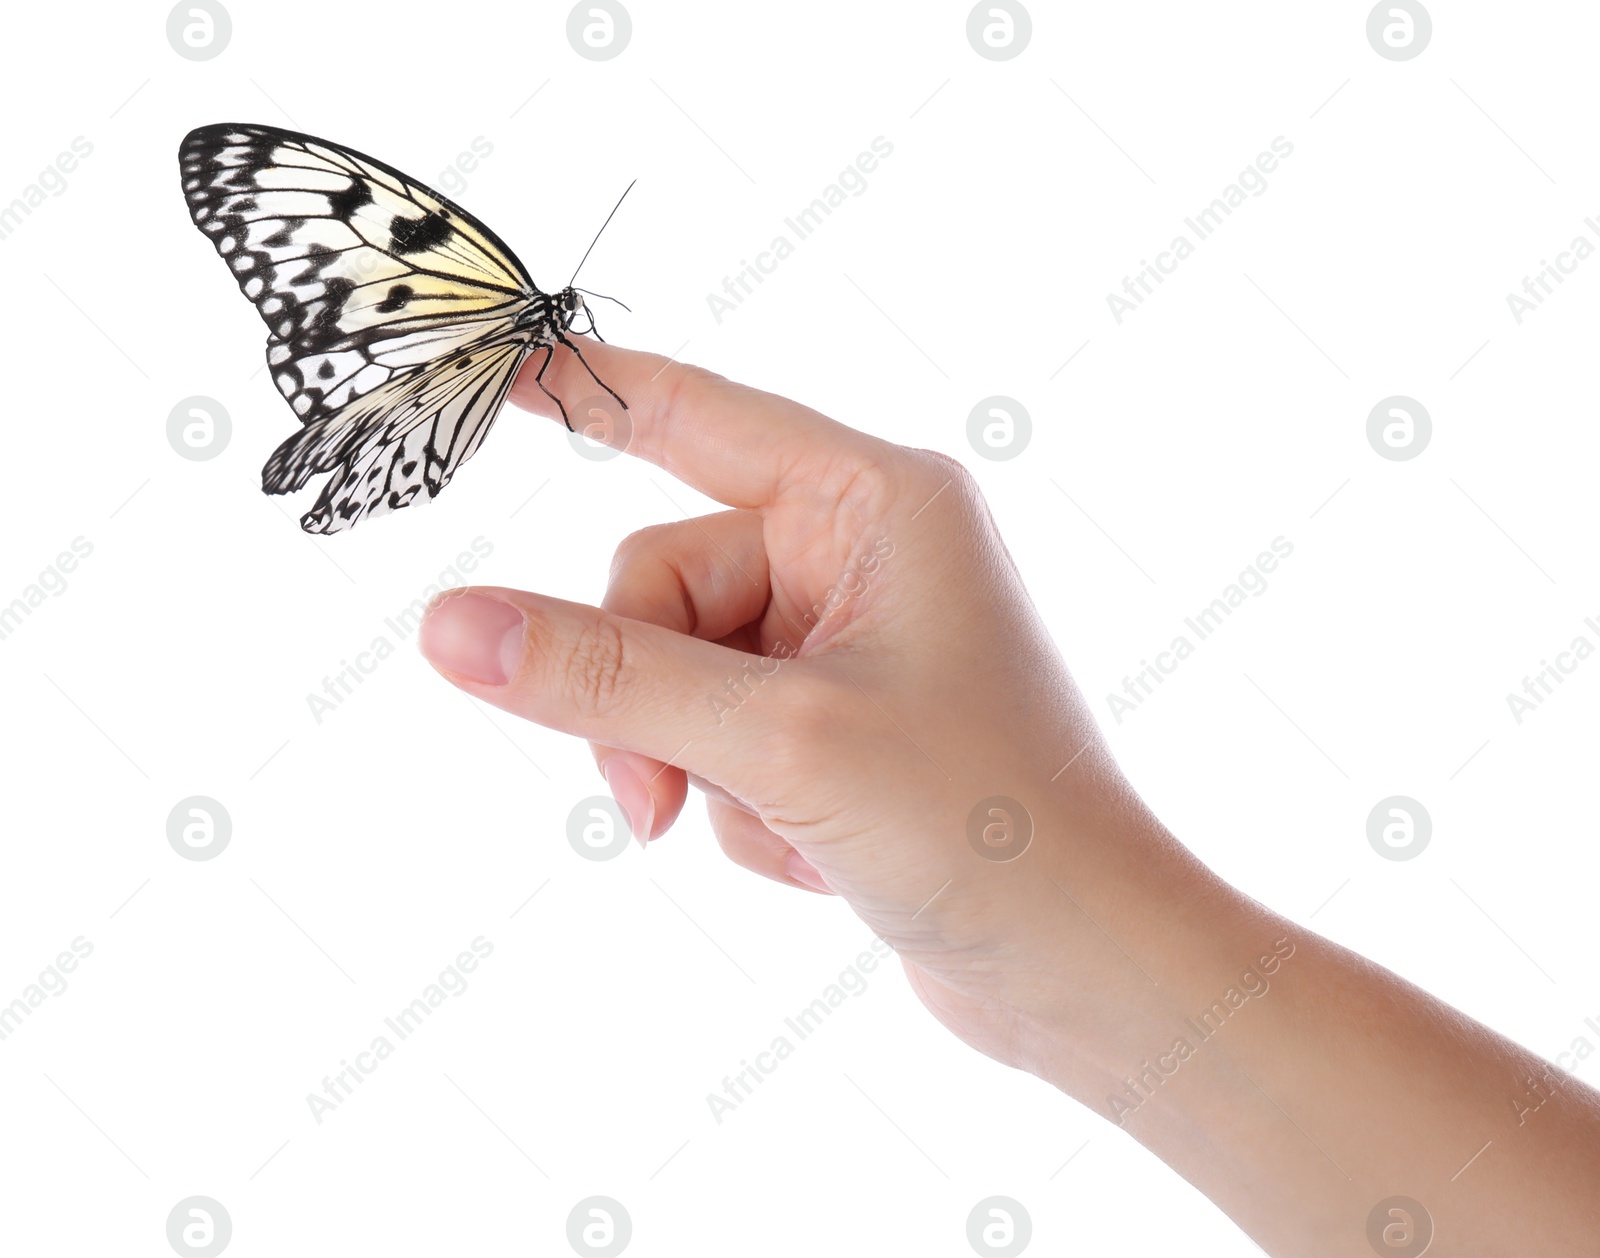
(340, 253)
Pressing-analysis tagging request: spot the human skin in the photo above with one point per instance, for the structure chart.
(891, 674)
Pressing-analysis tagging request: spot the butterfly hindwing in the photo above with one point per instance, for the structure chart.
(362, 274)
(399, 444)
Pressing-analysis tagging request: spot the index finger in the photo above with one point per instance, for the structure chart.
(733, 443)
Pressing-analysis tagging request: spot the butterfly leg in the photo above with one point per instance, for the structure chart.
(590, 370)
(549, 353)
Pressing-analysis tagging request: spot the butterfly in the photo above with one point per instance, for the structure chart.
(396, 320)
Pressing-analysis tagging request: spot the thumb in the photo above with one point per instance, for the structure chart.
(620, 682)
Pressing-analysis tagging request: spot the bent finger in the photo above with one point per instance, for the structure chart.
(705, 577)
(749, 844)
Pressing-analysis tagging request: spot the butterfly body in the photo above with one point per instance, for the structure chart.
(396, 321)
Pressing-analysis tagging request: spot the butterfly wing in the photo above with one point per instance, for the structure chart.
(360, 272)
(391, 312)
(401, 442)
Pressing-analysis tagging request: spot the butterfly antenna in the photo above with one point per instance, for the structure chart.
(603, 226)
(603, 297)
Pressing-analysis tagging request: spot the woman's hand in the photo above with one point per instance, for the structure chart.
(847, 664)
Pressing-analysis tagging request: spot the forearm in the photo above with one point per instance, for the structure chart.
(1299, 1085)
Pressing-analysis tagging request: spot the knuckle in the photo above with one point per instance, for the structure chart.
(857, 484)
(593, 668)
(936, 475)
(637, 547)
(936, 468)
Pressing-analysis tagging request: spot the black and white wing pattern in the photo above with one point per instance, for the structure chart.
(399, 443)
(396, 321)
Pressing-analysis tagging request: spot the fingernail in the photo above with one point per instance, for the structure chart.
(803, 871)
(481, 638)
(629, 790)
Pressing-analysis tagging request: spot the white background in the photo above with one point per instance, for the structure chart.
(371, 847)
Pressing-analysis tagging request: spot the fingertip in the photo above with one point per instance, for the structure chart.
(473, 635)
(649, 792)
(632, 796)
(802, 871)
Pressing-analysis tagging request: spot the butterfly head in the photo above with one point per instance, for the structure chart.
(569, 305)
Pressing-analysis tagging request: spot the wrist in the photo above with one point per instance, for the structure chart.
(1143, 956)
